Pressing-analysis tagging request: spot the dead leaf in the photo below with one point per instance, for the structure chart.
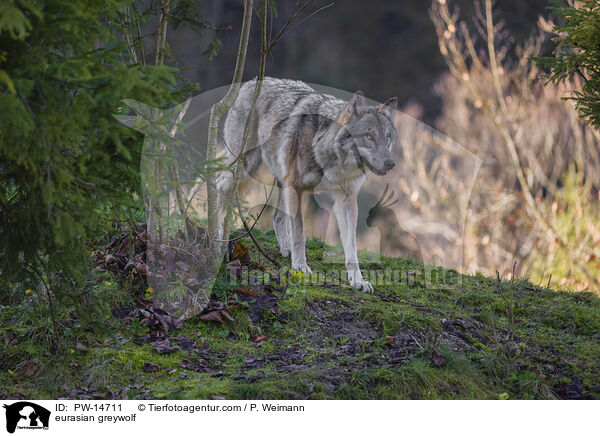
(124, 246)
(151, 367)
(28, 367)
(10, 337)
(259, 338)
(253, 362)
(241, 252)
(164, 346)
(79, 346)
(246, 291)
(195, 364)
(438, 360)
(226, 315)
(248, 377)
(214, 315)
(141, 268)
(389, 340)
(184, 342)
(143, 236)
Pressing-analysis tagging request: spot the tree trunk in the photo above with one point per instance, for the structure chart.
(217, 112)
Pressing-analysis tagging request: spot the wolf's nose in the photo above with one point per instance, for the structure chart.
(389, 164)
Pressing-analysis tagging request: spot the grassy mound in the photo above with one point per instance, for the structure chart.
(483, 339)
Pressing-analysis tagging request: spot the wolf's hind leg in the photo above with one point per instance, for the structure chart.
(292, 205)
(225, 181)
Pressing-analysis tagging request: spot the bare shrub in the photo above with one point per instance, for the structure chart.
(536, 196)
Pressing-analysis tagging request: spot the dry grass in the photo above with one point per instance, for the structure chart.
(535, 200)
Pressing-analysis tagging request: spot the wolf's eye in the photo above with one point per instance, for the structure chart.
(370, 137)
(388, 137)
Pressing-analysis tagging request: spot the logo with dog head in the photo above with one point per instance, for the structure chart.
(26, 415)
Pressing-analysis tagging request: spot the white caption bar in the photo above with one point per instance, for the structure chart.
(154, 417)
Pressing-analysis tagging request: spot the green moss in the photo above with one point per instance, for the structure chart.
(343, 341)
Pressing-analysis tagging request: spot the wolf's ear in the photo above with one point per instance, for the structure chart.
(389, 107)
(354, 107)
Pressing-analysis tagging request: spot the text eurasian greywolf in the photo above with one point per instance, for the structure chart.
(310, 142)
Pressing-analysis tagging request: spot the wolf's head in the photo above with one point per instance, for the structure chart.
(368, 133)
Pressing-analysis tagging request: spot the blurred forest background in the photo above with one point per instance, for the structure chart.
(390, 50)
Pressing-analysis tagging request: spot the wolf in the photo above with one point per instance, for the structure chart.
(309, 142)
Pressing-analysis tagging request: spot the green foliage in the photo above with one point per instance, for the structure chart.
(66, 165)
(577, 54)
(213, 49)
(186, 12)
(573, 213)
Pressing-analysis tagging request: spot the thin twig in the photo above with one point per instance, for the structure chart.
(127, 35)
(290, 30)
(163, 15)
(255, 219)
(139, 33)
(217, 112)
(256, 243)
(238, 161)
(49, 295)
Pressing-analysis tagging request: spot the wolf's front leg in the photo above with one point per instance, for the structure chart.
(283, 231)
(345, 209)
(293, 206)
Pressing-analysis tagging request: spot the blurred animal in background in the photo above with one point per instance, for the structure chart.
(394, 240)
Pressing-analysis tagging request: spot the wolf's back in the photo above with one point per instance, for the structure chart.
(279, 99)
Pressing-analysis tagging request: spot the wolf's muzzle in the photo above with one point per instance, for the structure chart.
(389, 164)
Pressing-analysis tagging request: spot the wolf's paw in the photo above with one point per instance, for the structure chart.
(285, 252)
(304, 268)
(363, 286)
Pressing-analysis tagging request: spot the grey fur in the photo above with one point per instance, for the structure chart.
(310, 142)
